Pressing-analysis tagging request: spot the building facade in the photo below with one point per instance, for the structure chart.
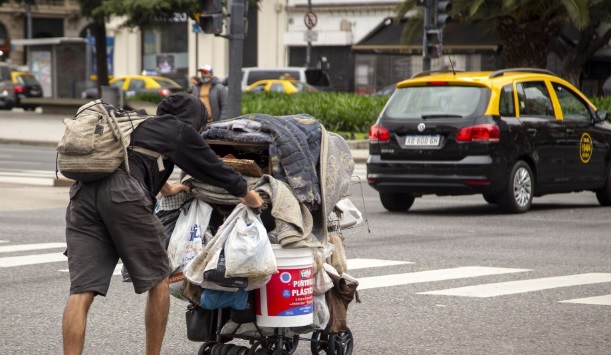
(356, 41)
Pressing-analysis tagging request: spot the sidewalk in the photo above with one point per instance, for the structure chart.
(35, 128)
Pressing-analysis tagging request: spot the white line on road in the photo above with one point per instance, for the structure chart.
(522, 286)
(598, 300)
(354, 264)
(26, 247)
(4, 241)
(32, 259)
(432, 275)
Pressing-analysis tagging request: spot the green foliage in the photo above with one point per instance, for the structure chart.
(602, 103)
(336, 111)
(147, 97)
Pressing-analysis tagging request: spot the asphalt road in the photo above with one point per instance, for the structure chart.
(539, 283)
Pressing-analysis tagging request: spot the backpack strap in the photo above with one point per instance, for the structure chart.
(151, 153)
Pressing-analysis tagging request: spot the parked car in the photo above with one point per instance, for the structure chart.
(134, 84)
(281, 86)
(26, 85)
(317, 78)
(7, 90)
(509, 135)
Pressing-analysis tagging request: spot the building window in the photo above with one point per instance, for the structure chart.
(167, 45)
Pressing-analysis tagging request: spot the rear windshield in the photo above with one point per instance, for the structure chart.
(27, 80)
(165, 83)
(434, 101)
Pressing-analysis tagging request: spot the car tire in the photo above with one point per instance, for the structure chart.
(604, 195)
(518, 195)
(396, 202)
(491, 199)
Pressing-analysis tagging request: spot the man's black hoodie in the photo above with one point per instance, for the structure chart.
(174, 132)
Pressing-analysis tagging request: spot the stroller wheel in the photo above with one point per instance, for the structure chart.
(216, 349)
(332, 344)
(206, 348)
(226, 348)
(341, 343)
(319, 343)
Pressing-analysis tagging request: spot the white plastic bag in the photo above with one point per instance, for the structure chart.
(188, 235)
(248, 251)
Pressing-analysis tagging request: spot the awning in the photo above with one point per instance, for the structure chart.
(457, 38)
(47, 41)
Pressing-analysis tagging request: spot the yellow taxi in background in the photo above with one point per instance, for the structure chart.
(281, 86)
(135, 84)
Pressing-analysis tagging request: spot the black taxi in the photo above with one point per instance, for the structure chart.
(509, 135)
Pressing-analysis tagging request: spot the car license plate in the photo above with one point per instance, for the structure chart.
(427, 141)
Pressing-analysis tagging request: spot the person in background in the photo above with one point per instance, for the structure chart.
(113, 218)
(193, 83)
(212, 93)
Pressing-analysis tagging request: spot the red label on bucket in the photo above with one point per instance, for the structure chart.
(289, 293)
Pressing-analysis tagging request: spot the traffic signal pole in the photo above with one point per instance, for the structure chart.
(436, 15)
(426, 59)
(236, 49)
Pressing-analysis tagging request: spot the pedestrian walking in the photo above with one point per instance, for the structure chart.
(113, 218)
(212, 93)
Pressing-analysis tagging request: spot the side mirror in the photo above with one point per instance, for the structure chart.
(601, 115)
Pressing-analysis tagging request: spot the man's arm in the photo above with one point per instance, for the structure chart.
(169, 190)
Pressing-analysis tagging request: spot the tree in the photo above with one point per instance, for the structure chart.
(526, 27)
(594, 36)
(137, 13)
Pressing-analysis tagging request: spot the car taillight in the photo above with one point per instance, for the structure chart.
(19, 89)
(164, 92)
(378, 134)
(479, 133)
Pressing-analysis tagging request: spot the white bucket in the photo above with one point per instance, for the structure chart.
(287, 299)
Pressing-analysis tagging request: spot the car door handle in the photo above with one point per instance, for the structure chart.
(532, 131)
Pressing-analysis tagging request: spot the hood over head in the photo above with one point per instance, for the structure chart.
(186, 108)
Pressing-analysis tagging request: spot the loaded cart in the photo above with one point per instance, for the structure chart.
(275, 278)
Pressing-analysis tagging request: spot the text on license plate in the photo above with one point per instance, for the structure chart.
(431, 140)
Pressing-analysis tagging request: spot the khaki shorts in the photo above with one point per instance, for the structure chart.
(111, 219)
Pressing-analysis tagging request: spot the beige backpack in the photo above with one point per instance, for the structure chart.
(96, 141)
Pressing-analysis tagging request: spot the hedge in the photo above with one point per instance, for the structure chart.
(338, 112)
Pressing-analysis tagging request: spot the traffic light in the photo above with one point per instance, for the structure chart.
(442, 15)
(211, 20)
(434, 41)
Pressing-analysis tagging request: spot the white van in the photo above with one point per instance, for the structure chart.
(318, 78)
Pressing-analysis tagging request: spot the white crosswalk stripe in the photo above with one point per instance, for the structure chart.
(485, 290)
(431, 275)
(12, 261)
(522, 286)
(598, 300)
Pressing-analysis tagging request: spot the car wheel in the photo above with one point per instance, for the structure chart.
(604, 195)
(518, 195)
(395, 202)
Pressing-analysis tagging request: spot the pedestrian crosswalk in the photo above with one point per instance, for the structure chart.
(15, 255)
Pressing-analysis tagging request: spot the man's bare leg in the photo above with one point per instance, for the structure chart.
(156, 316)
(75, 322)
